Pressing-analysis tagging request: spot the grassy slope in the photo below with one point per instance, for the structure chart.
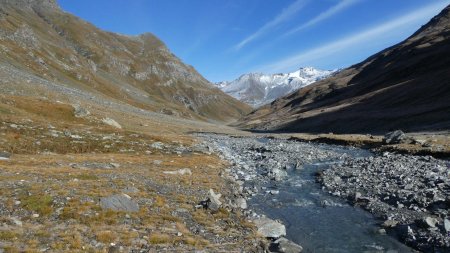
(62, 48)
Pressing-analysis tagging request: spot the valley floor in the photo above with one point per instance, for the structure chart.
(72, 181)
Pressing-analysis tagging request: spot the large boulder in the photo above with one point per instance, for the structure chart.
(214, 200)
(270, 228)
(284, 245)
(119, 202)
(396, 137)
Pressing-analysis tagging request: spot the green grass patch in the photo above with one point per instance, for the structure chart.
(41, 204)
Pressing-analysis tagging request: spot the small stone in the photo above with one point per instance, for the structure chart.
(157, 145)
(390, 223)
(111, 122)
(5, 155)
(182, 172)
(35, 215)
(357, 196)
(447, 225)
(431, 222)
(130, 189)
(241, 203)
(115, 165)
(80, 112)
(16, 221)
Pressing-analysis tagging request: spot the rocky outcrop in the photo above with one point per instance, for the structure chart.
(40, 44)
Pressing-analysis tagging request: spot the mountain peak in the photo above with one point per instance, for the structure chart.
(257, 89)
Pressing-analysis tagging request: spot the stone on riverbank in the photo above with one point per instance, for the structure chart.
(284, 245)
(396, 137)
(270, 228)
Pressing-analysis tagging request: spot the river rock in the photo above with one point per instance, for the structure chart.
(284, 245)
(277, 174)
(390, 223)
(447, 225)
(270, 228)
(119, 202)
(430, 222)
(241, 203)
(214, 200)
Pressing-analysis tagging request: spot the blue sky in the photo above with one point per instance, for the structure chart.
(224, 39)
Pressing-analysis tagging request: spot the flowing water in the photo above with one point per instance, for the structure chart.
(318, 221)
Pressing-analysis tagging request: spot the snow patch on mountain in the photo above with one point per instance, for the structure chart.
(257, 89)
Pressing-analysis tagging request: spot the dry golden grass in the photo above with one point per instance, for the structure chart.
(106, 236)
(67, 197)
(158, 238)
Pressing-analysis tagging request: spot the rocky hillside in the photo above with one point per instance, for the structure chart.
(47, 52)
(406, 86)
(257, 89)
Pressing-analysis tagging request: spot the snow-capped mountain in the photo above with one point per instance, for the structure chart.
(257, 89)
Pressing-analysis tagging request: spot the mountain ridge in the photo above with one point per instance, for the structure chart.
(49, 43)
(257, 89)
(404, 86)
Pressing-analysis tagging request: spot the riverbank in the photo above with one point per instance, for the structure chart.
(277, 179)
(434, 144)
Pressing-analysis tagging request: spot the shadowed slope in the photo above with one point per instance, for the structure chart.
(406, 86)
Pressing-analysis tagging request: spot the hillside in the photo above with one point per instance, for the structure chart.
(45, 51)
(406, 86)
(257, 89)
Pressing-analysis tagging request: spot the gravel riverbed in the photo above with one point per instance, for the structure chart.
(407, 195)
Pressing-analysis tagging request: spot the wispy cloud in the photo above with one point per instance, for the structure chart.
(285, 15)
(373, 33)
(342, 5)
